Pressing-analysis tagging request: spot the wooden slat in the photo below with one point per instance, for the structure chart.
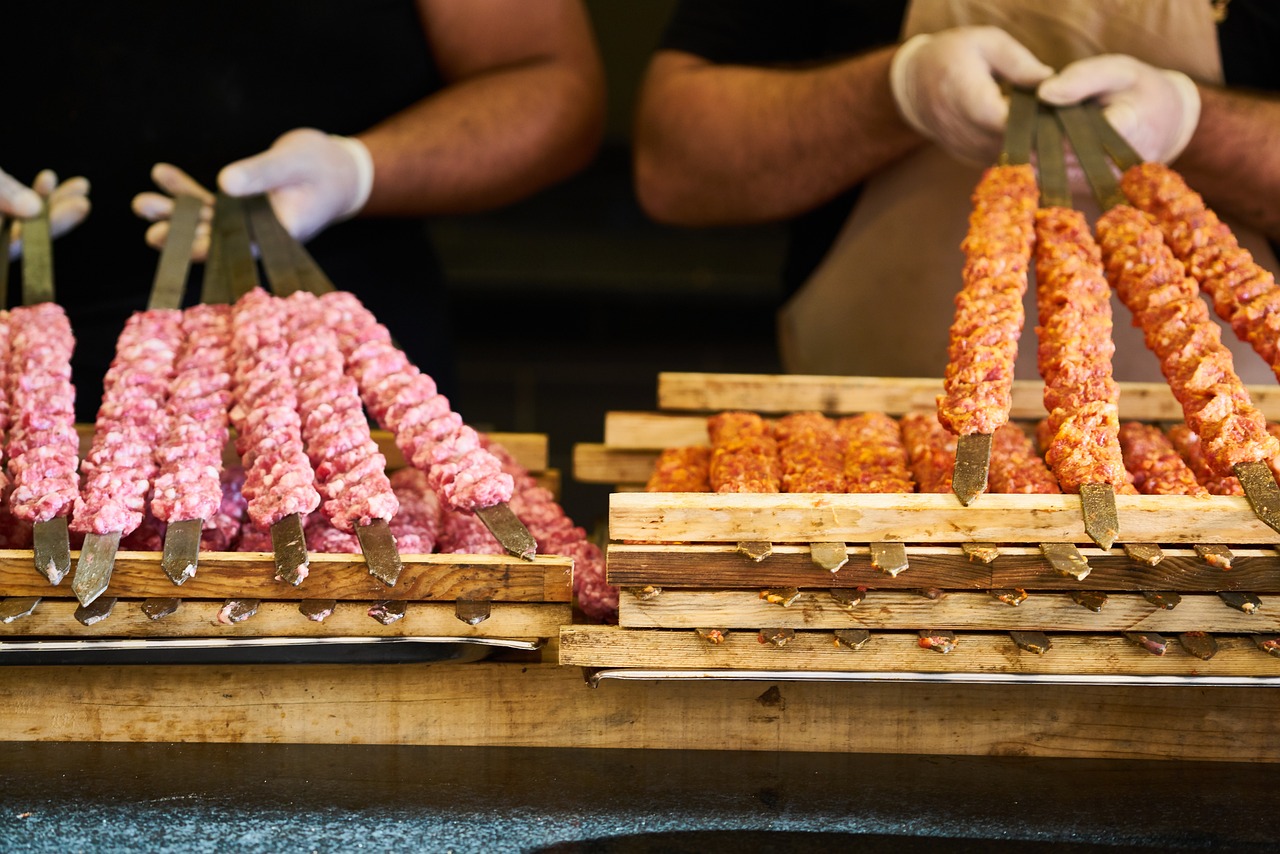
(884, 609)
(224, 575)
(944, 567)
(507, 704)
(770, 393)
(699, 517)
(595, 463)
(528, 449)
(975, 653)
(650, 431)
(198, 618)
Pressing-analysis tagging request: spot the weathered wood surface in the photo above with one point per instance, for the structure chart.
(814, 517)
(775, 393)
(507, 704)
(596, 463)
(224, 575)
(891, 652)
(199, 618)
(1255, 570)
(887, 609)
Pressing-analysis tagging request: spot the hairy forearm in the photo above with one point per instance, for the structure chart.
(720, 144)
(1232, 159)
(486, 141)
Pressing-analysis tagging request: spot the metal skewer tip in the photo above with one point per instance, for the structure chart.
(1101, 522)
(509, 530)
(17, 607)
(181, 549)
(290, 547)
(93, 569)
(380, 552)
(1200, 644)
(888, 557)
(1066, 559)
(973, 458)
(829, 556)
(1145, 553)
(1260, 488)
(52, 549)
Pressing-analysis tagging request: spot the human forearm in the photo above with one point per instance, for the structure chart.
(485, 141)
(1232, 159)
(732, 144)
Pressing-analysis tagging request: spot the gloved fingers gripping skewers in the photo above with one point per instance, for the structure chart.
(157, 208)
(1155, 109)
(68, 203)
(947, 86)
(312, 178)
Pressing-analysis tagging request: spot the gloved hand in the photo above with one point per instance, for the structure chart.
(157, 208)
(1155, 109)
(947, 87)
(68, 203)
(313, 179)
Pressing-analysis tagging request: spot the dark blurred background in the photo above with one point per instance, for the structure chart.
(584, 300)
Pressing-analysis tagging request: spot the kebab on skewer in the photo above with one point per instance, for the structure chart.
(1075, 349)
(43, 448)
(978, 384)
(744, 458)
(1176, 326)
(1244, 294)
(428, 432)
(811, 455)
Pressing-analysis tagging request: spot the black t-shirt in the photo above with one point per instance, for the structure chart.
(769, 33)
(105, 90)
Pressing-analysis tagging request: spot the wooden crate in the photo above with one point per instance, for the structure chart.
(686, 561)
(527, 600)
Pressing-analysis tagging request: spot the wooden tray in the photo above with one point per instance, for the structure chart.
(523, 599)
(682, 562)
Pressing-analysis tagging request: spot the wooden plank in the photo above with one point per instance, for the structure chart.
(772, 393)
(528, 449)
(783, 518)
(886, 609)
(652, 431)
(225, 575)
(199, 618)
(489, 703)
(596, 463)
(946, 567)
(891, 652)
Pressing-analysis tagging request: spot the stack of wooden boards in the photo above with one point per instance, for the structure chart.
(731, 582)
(236, 594)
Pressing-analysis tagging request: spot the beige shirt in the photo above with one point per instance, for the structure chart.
(881, 301)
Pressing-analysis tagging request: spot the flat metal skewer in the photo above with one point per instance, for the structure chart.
(290, 547)
(1260, 488)
(1098, 505)
(93, 569)
(52, 548)
(509, 530)
(380, 552)
(973, 460)
(181, 554)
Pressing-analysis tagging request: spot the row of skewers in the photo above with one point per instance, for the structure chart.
(294, 376)
(1158, 245)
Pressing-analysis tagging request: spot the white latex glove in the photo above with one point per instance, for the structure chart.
(68, 203)
(313, 179)
(1155, 109)
(947, 87)
(157, 208)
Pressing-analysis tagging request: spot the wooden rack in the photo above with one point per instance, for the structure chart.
(443, 596)
(680, 561)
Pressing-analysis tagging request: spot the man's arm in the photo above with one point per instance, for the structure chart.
(523, 107)
(1233, 159)
(725, 144)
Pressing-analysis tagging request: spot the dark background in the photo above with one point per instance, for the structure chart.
(589, 299)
